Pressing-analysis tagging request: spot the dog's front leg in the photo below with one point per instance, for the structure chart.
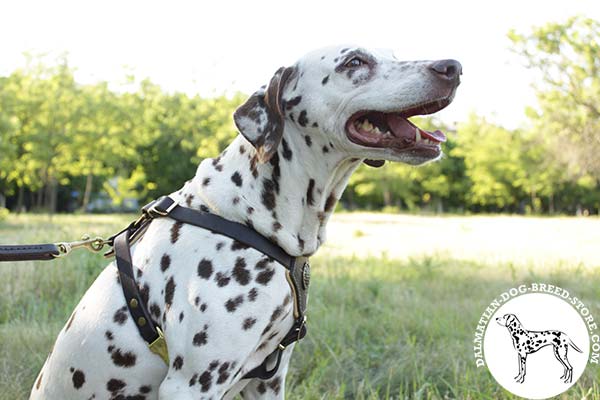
(273, 388)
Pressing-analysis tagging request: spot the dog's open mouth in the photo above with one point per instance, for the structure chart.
(393, 130)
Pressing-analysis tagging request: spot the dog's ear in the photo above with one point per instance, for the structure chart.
(261, 118)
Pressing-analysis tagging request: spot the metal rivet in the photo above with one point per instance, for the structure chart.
(141, 321)
(133, 303)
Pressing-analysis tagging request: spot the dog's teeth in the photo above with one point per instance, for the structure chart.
(376, 130)
(367, 125)
(417, 135)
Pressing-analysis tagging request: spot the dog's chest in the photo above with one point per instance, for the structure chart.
(208, 291)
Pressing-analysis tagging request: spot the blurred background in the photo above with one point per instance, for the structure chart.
(105, 105)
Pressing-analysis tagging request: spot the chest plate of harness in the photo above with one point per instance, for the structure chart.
(297, 274)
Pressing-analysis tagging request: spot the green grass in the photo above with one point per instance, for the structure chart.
(379, 327)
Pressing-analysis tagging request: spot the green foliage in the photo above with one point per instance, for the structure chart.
(137, 141)
(3, 213)
(566, 57)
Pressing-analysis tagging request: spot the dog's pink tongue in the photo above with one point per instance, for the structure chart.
(403, 129)
(438, 136)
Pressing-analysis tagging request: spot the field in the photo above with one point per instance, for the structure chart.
(394, 300)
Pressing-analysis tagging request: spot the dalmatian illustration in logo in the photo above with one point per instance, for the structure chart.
(527, 342)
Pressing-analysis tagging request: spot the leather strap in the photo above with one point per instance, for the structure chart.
(28, 252)
(166, 206)
(133, 298)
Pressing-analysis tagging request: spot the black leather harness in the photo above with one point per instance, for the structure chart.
(297, 274)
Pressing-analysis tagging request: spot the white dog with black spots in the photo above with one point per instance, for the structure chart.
(224, 307)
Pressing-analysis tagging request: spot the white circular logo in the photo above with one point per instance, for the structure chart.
(536, 345)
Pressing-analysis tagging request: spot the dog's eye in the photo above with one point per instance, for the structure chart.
(354, 62)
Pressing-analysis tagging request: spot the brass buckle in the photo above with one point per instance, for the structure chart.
(153, 208)
(159, 347)
(92, 244)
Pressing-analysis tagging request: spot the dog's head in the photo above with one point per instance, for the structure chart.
(357, 100)
(508, 320)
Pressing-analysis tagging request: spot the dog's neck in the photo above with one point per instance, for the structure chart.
(288, 199)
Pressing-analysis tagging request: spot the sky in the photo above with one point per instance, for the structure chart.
(210, 47)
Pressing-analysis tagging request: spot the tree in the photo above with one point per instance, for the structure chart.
(567, 56)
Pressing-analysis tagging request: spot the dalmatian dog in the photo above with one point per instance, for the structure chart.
(224, 307)
(528, 342)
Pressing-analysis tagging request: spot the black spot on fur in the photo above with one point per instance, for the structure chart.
(309, 192)
(287, 153)
(155, 310)
(268, 194)
(325, 149)
(205, 181)
(121, 315)
(237, 245)
(165, 262)
(222, 279)
(242, 149)
(145, 389)
(213, 365)
(291, 103)
(232, 304)
(219, 245)
(276, 226)
(263, 263)
(178, 363)
(330, 202)
(237, 179)
(205, 268)
(308, 140)
(203, 307)
(240, 273)
(325, 80)
(181, 316)
(108, 335)
(276, 313)
(252, 294)
(223, 373)
(205, 381)
(193, 380)
(235, 200)
(275, 385)
(115, 385)
(315, 125)
(175, 231)
(302, 119)
(253, 162)
(200, 338)
(78, 379)
(144, 293)
(248, 323)
(126, 359)
(261, 388)
(265, 276)
(169, 292)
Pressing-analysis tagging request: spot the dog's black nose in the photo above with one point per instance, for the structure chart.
(447, 69)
